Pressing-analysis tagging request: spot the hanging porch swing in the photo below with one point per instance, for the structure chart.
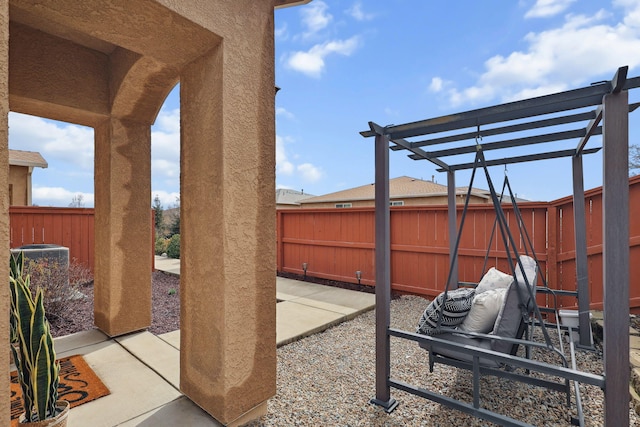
(494, 351)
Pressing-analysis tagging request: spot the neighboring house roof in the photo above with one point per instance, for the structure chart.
(285, 196)
(505, 197)
(401, 187)
(27, 158)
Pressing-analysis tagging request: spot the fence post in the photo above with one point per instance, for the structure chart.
(279, 242)
(553, 276)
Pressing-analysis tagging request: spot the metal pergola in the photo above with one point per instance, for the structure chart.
(599, 109)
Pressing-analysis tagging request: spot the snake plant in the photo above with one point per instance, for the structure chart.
(32, 346)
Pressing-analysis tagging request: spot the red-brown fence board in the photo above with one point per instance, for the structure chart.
(337, 242)
(69, 227)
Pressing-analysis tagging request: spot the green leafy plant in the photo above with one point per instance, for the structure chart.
(172, 291)
(32, 346)
(173, 249)
(161, 245)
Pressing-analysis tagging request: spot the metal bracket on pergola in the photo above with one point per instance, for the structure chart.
(587, 107)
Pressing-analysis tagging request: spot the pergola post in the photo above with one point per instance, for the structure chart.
(582, 268)
(383, 275)
(615, 224)
(453, 229)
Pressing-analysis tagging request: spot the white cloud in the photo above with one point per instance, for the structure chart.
(632, 12)
(282, 33)
(315, 17)
(547, 8)
(280, 111)
(167, 199)
(312, 62)
(358, 13)
(58, 196)
(56, 141)
(436, 84)
(582, 49)
(283, 165)
(309, 172)
(168, 121)
(165, 150)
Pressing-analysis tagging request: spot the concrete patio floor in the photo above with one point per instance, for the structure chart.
(142, 370)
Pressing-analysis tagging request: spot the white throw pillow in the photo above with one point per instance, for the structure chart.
(493, 279)
(484, 311)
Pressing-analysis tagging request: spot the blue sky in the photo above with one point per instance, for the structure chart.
(341, 64)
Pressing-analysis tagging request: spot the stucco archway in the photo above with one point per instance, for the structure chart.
(110, 65)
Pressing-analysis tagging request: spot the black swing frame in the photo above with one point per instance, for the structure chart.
(612, 108)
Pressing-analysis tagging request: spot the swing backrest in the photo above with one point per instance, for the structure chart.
(511, 318)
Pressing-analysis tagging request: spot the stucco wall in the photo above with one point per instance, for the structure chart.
(5, 394)
(19, 181)
(110, 65)
(227, 212)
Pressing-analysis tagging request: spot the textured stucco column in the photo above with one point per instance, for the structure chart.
(122, 287)
(227, 283)
(5, 394)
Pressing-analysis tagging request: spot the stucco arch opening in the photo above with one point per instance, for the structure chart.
(110, 65)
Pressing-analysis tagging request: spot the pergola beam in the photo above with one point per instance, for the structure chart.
(518, 142)
(589, 130)
(547, 104)
(523, 159)
(420, 153)
(555, 121)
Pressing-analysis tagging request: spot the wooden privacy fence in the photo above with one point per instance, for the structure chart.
(69, 227)
(336, 243)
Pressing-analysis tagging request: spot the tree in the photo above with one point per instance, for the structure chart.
(158, 215)
(174, 228)
(634, 159)
(77, 201)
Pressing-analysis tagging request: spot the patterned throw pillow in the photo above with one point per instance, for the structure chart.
(454, 310)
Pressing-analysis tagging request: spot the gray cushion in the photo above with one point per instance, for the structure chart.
(465, 340)
(510, 315)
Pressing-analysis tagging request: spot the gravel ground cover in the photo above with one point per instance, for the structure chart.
(327, 380)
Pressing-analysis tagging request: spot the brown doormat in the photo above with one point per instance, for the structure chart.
(78, 384)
